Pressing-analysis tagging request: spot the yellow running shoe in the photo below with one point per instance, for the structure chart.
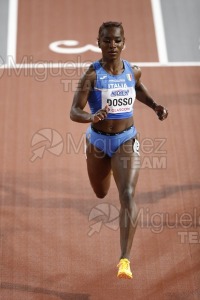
(124, 269)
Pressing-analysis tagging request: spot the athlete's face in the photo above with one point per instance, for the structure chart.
(111, 42)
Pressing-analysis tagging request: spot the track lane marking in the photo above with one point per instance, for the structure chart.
(12, 30)
(159, 31)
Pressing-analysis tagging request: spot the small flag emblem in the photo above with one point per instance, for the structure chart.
(129, 76)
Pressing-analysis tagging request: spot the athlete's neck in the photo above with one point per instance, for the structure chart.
(114, 67)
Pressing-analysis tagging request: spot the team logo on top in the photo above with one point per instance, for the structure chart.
(120, 93)
(129, 77)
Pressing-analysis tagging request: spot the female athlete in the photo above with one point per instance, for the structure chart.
(110, 87)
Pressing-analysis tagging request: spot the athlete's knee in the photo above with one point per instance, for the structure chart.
(101, 194)
(126, 197)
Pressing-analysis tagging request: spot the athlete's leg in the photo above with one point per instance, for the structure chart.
(125, 165)
(99, 170)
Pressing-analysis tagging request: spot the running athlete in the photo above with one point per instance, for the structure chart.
(110, 87)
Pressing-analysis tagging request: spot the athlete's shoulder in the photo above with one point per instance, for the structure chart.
(97, 65)
(87, 79)
(137, 72)
(127, 63)
(132, 66)
(89, 73)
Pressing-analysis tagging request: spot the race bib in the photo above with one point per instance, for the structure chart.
(119, 100)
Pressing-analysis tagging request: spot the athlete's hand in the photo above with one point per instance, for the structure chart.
(100, 115)
(161, 112)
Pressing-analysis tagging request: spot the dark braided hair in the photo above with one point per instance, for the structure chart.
(108, 25)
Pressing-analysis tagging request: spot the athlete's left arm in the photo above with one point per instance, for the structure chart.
(143, 96)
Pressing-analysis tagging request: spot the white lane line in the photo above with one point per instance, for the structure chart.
(86, 65)
(159, 31)
(12, 30)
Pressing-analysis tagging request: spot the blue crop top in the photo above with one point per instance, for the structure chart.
(117, 91)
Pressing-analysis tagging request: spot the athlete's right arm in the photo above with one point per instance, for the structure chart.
(80, 99)
(77, 113)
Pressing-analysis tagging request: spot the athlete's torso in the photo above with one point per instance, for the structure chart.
(117, 91)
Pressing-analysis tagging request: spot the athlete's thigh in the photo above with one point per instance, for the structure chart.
(99, 169)
(126, 165)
